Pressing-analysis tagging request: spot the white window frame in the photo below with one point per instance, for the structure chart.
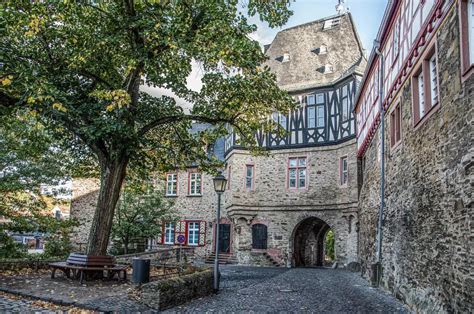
(249, 178)
(320, 116)
(312, 117)
(193, 229)
(470, 27)
(169, 233)
(172, 182)
(345, 109)
(320, 99)
(433, 80)
(421, 95)
(298, 168)
(344, 170)
(195, 181)
(323, 49)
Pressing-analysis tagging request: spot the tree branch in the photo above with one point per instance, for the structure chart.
(169, 119)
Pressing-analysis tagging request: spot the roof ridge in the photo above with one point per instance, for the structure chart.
(314, 22)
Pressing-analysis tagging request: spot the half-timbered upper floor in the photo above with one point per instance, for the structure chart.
(406, 39)
(320, 64)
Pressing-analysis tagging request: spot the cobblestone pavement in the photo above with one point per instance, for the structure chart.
(13, 304)
(250, 289)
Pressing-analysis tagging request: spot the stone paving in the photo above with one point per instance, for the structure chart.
(92, 295)
(243, 290)
(246, 289)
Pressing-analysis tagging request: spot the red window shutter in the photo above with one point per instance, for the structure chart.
(161, 237)
(202, 233)
(180, 229)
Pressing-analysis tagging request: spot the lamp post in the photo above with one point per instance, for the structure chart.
(219, 186)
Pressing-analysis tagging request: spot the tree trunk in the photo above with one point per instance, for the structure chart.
(125, 246)
(112, 176)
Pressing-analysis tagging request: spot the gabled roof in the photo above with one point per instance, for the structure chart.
(305, 67)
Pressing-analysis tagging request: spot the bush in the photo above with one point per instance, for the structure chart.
(58, 245)
(9, 248)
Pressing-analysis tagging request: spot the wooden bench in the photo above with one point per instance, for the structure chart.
(80, 265)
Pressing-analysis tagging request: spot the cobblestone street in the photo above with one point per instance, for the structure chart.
(255, 289)
(245, 289)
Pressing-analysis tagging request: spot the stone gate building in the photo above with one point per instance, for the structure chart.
(278, 208)
(427, 242)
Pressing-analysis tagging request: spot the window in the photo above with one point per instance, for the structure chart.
(328, 24)
(195, 186)
(297, 173)
(249, 177)
(467, 36)
(286, 57)
(396, 40)
(193, 233)
(425, 86)
(328, 68)
(323, 50)
(395, 125)
(169, 233)
(345, 109)
(310, 99)
(320, 116)
(311, 117)
(319, 99)
(172, 184)
(279, 119)
(470, 24)
(344, 170)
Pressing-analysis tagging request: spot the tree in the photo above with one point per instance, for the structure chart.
(140, 213)
(78, 68)
(28, 158)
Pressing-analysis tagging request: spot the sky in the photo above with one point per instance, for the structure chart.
(367, 15)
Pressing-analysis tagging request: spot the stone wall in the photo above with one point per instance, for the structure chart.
(282, 210)
(85, 192)
(167, 293)
(427, 234)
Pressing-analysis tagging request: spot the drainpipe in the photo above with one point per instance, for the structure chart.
(378, 266)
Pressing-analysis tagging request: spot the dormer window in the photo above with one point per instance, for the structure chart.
(286, 57)
(328, 68)
(323, 50)
(328, 24)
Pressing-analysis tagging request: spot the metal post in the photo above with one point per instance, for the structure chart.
(382, 166)
(216, 260)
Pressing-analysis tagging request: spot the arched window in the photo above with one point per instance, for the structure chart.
(259, 237)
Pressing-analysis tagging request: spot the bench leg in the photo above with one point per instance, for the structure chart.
(82, 276)
(53, 272)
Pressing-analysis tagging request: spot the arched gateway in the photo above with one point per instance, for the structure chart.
(312, 244)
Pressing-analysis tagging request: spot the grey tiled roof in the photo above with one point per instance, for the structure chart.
(217, 149)
(302, 42)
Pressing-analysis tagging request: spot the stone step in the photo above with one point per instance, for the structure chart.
(223, 259)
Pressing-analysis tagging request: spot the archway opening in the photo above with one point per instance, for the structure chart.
(313, 243)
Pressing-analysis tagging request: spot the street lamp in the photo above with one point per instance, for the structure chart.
(219, 186)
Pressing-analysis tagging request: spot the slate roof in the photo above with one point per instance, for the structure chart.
(304, 70)
(218, 149)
